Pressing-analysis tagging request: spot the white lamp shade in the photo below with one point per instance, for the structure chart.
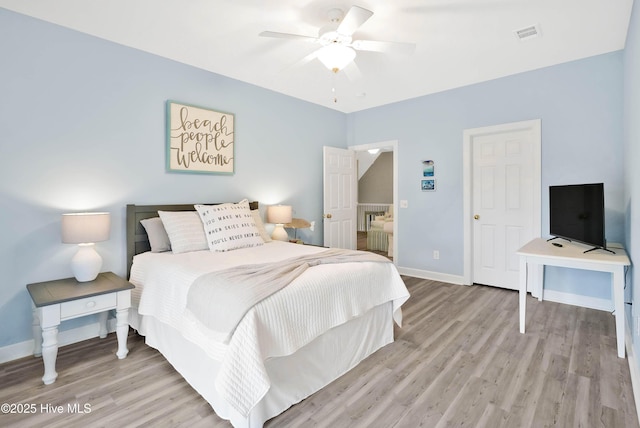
(336, 56)
(81, 228)
(279, 214)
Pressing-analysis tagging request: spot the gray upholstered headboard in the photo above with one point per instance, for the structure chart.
(137, 239)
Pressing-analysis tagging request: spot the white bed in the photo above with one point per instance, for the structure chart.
(276, 356)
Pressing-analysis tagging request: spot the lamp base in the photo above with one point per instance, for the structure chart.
(279, 234)
(86, 264)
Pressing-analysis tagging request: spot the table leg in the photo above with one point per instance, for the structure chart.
(617, 283)
(37, 334)
(522, 295)
(122, 330)
(540, 285)
(49, 354)
(102, 320)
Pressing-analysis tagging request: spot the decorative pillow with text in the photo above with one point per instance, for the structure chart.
(229, 226)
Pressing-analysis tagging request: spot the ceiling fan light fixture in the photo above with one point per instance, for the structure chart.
(336, 56)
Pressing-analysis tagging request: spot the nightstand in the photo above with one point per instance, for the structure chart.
(65, 299)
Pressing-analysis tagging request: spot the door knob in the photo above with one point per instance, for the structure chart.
(327, 216)
(477, 217)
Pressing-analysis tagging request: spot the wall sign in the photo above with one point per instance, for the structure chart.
(428, 185)
(428, 170)
(199, 140)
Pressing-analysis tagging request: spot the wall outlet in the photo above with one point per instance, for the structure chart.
(436, 255)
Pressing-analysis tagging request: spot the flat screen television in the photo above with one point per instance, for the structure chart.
(576, 213)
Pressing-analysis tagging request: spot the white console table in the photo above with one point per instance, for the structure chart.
(541, 252)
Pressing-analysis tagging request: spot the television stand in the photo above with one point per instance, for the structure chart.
(599, 248)
(558, 237)
(541, 253)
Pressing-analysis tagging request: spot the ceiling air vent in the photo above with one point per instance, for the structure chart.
(527, 33)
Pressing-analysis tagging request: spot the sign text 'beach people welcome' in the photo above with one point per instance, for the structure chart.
(199, 140)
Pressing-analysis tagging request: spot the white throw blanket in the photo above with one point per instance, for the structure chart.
(219, 300)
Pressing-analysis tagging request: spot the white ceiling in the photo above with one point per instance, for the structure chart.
(458, 42)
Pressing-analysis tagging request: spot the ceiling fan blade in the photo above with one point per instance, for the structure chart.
(386, 47)
(287, 36)
(313, 55)
(355, 17)
(352, 71)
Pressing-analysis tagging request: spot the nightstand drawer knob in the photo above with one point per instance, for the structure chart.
(91, 304)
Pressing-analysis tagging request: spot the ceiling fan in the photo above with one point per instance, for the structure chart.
(338, 48)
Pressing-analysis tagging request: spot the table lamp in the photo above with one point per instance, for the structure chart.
(279, 215)
(85, 229)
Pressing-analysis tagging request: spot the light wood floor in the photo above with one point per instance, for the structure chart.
(459, 360)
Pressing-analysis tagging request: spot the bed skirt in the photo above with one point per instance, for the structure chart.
(293, 377)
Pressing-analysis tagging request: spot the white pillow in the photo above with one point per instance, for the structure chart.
(185, 230)
(260, 225)
(229, 226)
(158, 238)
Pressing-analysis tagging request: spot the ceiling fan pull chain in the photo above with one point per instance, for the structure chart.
(333, 86)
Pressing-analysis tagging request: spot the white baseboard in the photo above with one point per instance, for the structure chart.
(550, 295)
(634, 365)
(577, 300)
(435, 276)
(66, 337)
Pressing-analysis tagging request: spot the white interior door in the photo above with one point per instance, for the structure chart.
(339, 178)
(505, 199)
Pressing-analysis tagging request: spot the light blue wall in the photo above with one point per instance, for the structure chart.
(580, 106)
(82, 127)
(632, 159)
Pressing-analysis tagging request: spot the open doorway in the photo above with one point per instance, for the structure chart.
(377, 198)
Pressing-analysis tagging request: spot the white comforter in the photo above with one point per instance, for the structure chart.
(314, 303)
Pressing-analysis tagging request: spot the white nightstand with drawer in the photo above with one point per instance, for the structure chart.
(65, 299)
